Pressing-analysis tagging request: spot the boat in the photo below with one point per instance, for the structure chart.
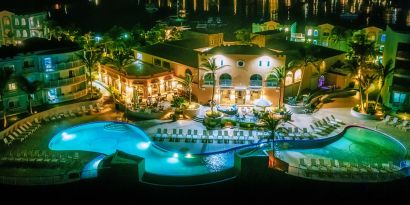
(229, 110)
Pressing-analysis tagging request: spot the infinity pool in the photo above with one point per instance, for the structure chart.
(356, 145)
(107, 137)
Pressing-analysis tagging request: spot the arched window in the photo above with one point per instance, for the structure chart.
(6, 20)
(289, 78)
(321, 81)
(188, 72)
(24, 33)
(18, 34)
(271, 81)
(256, 80)
(23, 22)
(208, 79)
(298, 75)
(225, 80)
(16, 22)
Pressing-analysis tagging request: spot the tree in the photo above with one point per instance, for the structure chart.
(271, 123)
(30, 88)
(306, 54)
(210, 65)
(243, 35)
(383, 72)
(361, 51)
(278, 74)
(5, 76)
(188, 86)
(366, 82)
(90, 58)
(120, 59)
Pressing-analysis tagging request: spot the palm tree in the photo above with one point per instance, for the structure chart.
(307, 56)
(120, 58)
(383, 72)
(90, 58)
(210, 65)
(188, 86)
(5, 76)
(30, 88)
(361, 51)
(366, 82)
(278, 74)
(271, 123)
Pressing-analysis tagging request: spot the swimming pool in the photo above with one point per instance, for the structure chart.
(356, 144)
(107, 137)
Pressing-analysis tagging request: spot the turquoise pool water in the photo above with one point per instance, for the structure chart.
(356, 145)
(107, 137)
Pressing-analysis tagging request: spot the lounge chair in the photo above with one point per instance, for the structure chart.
(386, 119)
(337, 120)
(188, 136)
(394, 122)
(241, 137)
(157, 135)
(165, 133)
(173, 136)
(195, 136)
(180, 135)
(204, 137)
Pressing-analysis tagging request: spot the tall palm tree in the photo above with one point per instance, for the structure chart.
(361, 50)
(5, 75)
(210, 65)
(188, 86)
(366, 82)
(383, 72)
(306, 54)
(120, 58)
(90, 58)
(278, 74)
(30, 88)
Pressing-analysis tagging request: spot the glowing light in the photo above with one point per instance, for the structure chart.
(143, 145)
(67, 137)
(175, 155)
(172, 160)
(96, 163)
(188, 155)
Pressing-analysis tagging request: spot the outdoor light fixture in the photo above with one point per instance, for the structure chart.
(175, 155)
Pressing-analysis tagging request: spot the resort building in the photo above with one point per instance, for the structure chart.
(396, 93)
(16, 28)
(55, 64)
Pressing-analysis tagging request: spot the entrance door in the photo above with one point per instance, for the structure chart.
(240, 97)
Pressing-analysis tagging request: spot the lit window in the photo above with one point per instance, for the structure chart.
(18, 34)
(309, 32)
(12, 86)
(139, 56)
(6, 20)
(271, 81)
(208, 79)
(383, 38)
(23, 22)
(48, 64)
(256, 80)
(24, 33)
(260, 63)
(315, 42)
(289, 78)
(315, 33)
(225, 80)
(399, 97)
(222, 62)
(240, 63)
(16, 22)
(268, 64)
(298, 75)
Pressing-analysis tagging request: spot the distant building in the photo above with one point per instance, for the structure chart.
(396, 93)
(16, 28)
(54, 63)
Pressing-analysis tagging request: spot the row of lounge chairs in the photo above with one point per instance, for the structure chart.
(73, 113)
(206, 136)
(20, 132)
(396, 122)
(325, 126)
(342, 169)
(38, 159)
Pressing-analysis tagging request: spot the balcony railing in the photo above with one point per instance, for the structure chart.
(69, 96)
(68, 65)
(66, 81)
(271, 84)
(256, 83)
(225, 83)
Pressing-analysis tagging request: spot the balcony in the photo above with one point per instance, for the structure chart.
(68, 96)
(271, 84)
(255, 83)
(63, 82)
(67, 65)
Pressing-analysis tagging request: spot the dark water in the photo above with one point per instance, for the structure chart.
(101, 14)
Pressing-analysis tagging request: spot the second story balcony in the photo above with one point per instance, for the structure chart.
(64, 82)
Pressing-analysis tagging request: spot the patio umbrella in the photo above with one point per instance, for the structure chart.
(262, 102)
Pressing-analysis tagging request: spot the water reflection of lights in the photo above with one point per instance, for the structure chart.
(215, 162)
(143, 145)
(67, 137)
(172, 160)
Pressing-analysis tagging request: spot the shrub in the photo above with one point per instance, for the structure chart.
(356, 108)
